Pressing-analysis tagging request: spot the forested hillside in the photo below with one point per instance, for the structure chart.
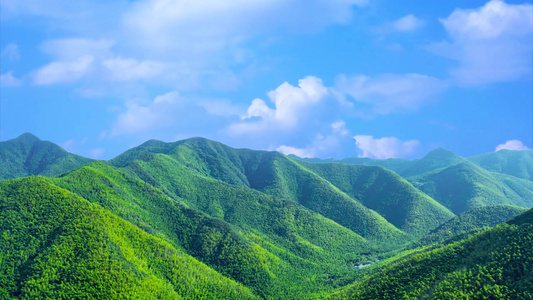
(196, 219)
(463, 183)
(56, 245)
(28, 155)
(493, 264)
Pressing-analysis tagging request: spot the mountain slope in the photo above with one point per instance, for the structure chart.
(494, 264)
(28, 155)
(516, 163)
(262, 242)
(464, 186)
(386, 193)
(183, 170)
(57, 245)
(470, 221)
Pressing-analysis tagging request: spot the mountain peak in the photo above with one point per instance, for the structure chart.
(27, 137)
(440, 153)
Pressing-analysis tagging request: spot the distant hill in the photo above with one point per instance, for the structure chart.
(28, 155)
(516, 163)
(387, 193)
(464, 186)
(510, 162)
(463, 183)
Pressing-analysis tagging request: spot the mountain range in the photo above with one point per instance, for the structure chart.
(196, 219)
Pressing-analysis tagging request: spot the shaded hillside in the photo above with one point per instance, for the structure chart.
(28, 155)
(516, 163)
(56, 245)
(185, 168)
(494, 264)
(464, 186)
(470, 221)
(523, 218)
(386, 193)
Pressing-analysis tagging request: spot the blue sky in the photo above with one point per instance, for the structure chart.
(338, 78)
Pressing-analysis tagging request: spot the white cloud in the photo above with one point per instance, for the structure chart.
(63, 71)
(301, 152)
(512, 145)
(129, 69)
(177, 114)
(8, 80)
(292, 106)
(180, 44)
(491, 44)
(205, 32)
(74, 48)
(383, 148)
(331, 144)
(407, 23)
(389, 93)
(11, 52)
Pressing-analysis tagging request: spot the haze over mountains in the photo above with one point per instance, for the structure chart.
(196, 218)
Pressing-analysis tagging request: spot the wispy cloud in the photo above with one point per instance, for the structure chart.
(11, 52)
(61, 72)
(8, 80)
(408, 23)
(390, 93)
(491, 44)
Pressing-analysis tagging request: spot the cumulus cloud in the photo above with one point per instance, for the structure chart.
(512, 145)
(335, 143)
(293, 105)
(383, 148)
(389, 93)
(492, 43)
(8, 80)
(63, 71)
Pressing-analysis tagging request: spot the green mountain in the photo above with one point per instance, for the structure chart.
(186, 167)
(56, 245)
(434, 160)
(262, 242)
(386, 193)
(28, 155)
(460, 183)
(494, 264)
(198, 219)
(516, 163)
(469, 222)
(464, 186)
